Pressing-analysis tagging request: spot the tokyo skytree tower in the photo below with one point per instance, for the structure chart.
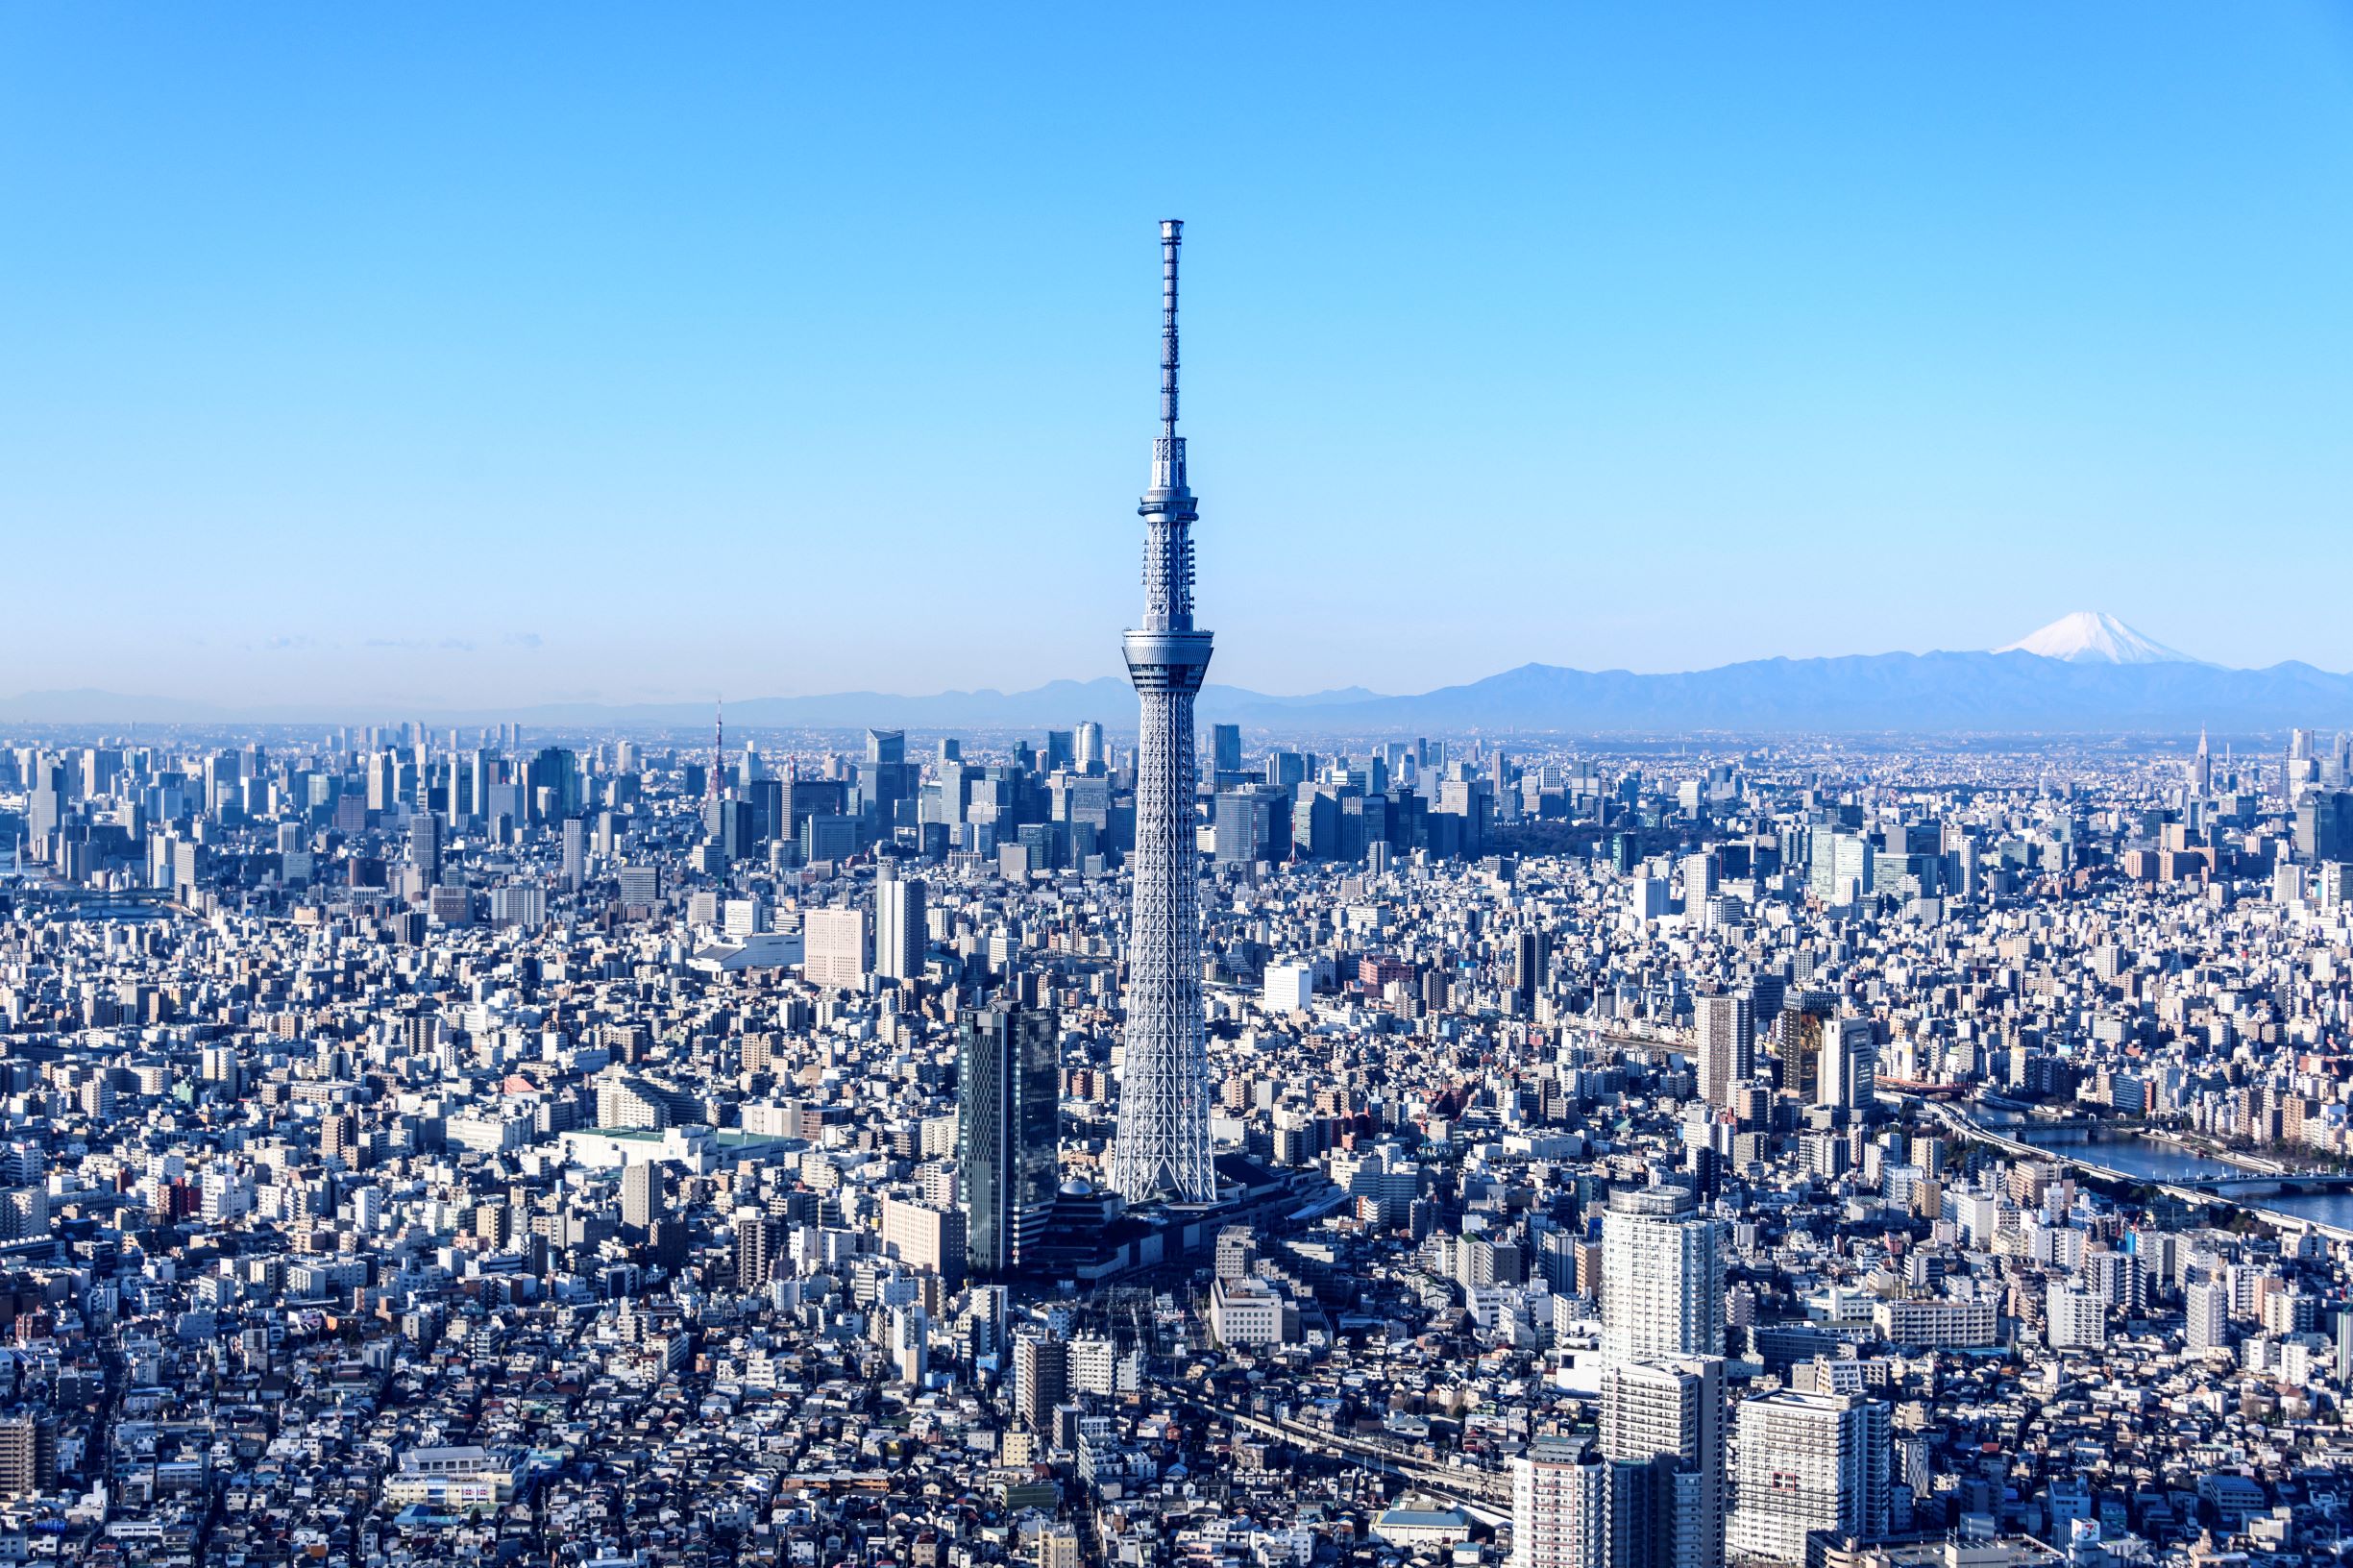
(1163, 1146)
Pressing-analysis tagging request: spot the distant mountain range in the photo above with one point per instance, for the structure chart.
(2084, 673)
(1894, 693)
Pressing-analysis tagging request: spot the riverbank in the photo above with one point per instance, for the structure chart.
(2206, 1149)
(2150, 1159)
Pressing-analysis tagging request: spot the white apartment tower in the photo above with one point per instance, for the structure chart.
(2073, 1318)
(2207, 1304)
(1804, 1462)
(899, 934)
(1662, 1271)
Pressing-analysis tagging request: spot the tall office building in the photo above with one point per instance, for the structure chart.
(1163, 1143)
(221, 782)
(1226, 748)
(1559, 1507)
(898, 924)
(834, 950)
(1662, 1431)
(384, 776)
(1806, 1019)
(1839, 870)
(1727, 1044)
(576, 853)
(887, 778)
(927, 1238)
(1008, 1131)
(45, 806)
(2324, 826)
(554, 785)
(1804, 1462)
(1849, 1067)
(643, 1200)
(1089, 755)
(1662, 1276)
(1531, 955)
(425, 847)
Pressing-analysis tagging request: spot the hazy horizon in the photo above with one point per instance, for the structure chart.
(425, 359)
(720, 692)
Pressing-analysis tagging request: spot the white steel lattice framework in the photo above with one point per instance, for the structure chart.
(1163, 1147)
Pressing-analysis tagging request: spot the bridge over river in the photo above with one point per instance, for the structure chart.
(2273, 1191)
(2289, 1184)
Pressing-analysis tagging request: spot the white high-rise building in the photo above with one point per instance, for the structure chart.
(835, 950)
(1849, 1064)
(2208, 1311)
(1802, 1462)
(1094, 1365)
(1288, 988)
(899, 934)
(1662, 1431)
(1840, 872)
(2073, 1317)
(1646, 897)
(1559, 1507)
(910, 1350)
(1662, 1276)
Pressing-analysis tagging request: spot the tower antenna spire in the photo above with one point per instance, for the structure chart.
(1169, 452)
(718, 746)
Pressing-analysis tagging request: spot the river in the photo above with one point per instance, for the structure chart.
(2150, 1160)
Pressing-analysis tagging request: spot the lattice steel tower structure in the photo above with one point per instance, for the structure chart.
(1163, 1146)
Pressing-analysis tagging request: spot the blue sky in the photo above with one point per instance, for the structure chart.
(429, 355)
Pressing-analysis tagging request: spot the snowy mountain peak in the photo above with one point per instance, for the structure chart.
(2091, 637)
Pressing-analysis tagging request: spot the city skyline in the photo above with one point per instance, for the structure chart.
(415, 398)
(495, 1103)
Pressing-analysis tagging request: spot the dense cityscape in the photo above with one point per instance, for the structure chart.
(1154, 1144)
(565, 1150)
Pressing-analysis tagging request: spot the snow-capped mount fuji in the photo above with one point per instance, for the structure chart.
(2095, 637)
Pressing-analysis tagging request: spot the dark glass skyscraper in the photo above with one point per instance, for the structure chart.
(1008, 1131)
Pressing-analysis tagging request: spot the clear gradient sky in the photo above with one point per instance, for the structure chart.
(469, 355)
